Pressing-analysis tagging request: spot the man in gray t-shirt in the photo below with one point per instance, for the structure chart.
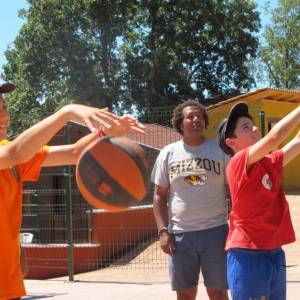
(190, 205)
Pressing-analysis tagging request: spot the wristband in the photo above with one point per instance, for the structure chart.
(162, 230)
(101, 132)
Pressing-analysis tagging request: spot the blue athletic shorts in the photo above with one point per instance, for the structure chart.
(199, 250)
(254, 274)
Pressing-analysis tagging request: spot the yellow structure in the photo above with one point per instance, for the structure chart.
(267, 106)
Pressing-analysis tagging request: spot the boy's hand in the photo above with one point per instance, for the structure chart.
(92, 117)
(95, 118)
(125, 124)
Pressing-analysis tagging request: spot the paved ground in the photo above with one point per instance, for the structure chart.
(118, 284)
(38, 289)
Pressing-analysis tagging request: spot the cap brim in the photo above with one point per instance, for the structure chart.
(7, 88)
(239, 109)
(221, 137)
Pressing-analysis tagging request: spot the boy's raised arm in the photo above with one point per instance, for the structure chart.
(275, 137)
(291, 149)
(31, 140)
(69, 154)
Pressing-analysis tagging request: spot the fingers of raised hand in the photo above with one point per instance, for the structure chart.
(132, 123)
(102, 118)
(138, 129)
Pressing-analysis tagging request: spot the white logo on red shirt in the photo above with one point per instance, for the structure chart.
(266, 182)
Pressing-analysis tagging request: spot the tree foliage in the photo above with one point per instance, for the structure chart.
(280, 52)
(129, 53)
(190, 49)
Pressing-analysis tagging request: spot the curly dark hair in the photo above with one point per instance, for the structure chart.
(177, 118)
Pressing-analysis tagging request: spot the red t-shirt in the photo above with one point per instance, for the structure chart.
(260, 216)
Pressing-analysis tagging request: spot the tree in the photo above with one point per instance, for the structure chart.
(66, 52)
(129, 54)
(280, 52)
(190, 49)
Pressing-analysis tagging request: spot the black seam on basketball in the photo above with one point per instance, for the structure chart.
(97, 175)
(135, 158)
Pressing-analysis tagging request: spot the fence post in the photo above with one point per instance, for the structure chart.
(69, 209)
(262, 123)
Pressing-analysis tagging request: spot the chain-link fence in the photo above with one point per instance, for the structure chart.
(74, 237)
(88, 239)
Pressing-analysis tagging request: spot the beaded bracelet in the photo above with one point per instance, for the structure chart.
(101, 132)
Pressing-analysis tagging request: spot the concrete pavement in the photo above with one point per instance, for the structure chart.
(52, 289)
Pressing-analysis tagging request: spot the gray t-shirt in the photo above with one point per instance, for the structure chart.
(196, 180)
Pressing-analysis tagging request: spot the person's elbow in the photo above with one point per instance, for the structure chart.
(73, 154)
(70, 153)
(160, 195)
(274, 139)
(17, 156)
(276, 136)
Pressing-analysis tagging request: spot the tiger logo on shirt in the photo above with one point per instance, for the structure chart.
(196, 179)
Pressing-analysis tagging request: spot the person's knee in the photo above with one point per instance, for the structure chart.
(217, 294)
(187, 294)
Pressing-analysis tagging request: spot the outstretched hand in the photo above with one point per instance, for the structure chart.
(92, 117)
(125, 124)
(95, 118)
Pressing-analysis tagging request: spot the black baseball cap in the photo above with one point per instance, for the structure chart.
(7, 87)
(238, 110)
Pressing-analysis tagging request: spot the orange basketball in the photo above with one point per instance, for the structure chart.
(112, 173)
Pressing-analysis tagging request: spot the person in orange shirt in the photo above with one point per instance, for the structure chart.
(22, 159)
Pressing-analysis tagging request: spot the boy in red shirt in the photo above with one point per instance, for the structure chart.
(22, 159)
(260, 221)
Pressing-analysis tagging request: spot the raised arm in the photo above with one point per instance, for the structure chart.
(291, 149)
(275, 137)
(69, 154)
(31, 140)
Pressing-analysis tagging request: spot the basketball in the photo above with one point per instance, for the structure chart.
(112, 173)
